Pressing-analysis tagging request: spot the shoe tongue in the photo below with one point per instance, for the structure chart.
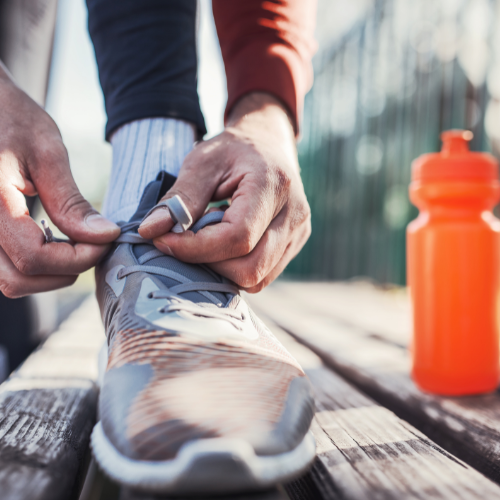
(153, 192)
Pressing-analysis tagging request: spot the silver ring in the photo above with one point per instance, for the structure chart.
(178, 211)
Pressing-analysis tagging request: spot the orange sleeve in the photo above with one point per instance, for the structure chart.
(267, 46)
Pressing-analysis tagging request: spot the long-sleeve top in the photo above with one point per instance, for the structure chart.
(146, 55)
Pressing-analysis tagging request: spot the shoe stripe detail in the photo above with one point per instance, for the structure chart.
(245, 389)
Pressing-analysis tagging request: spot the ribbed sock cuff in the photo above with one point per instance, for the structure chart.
(142, 149)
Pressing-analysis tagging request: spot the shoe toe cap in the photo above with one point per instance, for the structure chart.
(149, 414)
(294, 422)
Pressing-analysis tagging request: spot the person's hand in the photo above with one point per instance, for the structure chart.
(33, 160)
(253, 162)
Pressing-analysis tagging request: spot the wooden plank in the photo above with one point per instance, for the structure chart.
(365, 451)
(467, 427)
(379, 313)
(47, 411)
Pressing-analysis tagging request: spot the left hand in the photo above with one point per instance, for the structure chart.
(253, 162)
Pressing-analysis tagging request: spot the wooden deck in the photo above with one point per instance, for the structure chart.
(378, 436)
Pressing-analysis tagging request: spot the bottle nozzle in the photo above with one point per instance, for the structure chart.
(456, 141)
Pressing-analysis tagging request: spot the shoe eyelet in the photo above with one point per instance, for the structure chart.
(243, 317)
(149, 295)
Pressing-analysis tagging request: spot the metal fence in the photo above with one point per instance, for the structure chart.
(381, 96)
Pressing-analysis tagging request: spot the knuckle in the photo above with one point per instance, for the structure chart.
(193, 205)
(10, 290)
(282, 179)
(25, 264)
(308, 228)
(306, 212)
(303, 210)
(249, 278)
(257, 288)
(305, 230)
(301, 215)
(243, 243)
(186, 198)
(73, 203)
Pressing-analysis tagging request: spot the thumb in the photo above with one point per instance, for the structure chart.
(66, 206)
(195, 195)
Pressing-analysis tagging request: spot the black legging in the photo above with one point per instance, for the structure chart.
(146, 54)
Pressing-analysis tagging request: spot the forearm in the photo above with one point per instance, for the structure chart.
(267, 47)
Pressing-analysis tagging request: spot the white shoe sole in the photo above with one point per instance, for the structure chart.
(217, 465)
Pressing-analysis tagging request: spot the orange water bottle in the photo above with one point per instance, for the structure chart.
(454, 269)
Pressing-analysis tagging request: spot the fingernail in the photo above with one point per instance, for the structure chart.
(156, 216)
(161, 246)
(98, 223)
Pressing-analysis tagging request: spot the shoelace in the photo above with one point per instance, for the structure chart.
(213, 309)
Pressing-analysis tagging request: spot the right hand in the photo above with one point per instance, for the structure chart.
(33, 160)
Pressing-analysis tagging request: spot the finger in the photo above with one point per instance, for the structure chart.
(14, 284)
(157, 223)
(24, 242)
(290, 253)
(249, 270)
(287, 257)
(64, 203)
(251, 211)
(195, 186)
(31, 255)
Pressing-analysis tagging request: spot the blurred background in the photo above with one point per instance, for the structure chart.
(387, 82)
(389, 76)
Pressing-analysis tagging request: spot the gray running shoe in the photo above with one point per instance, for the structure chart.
(198, 395)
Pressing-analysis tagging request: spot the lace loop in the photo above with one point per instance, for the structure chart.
(213, 309)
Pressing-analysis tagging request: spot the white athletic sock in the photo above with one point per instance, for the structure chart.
(141, 150)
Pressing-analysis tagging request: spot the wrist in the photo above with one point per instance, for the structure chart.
(262, 118)
(264, 112)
